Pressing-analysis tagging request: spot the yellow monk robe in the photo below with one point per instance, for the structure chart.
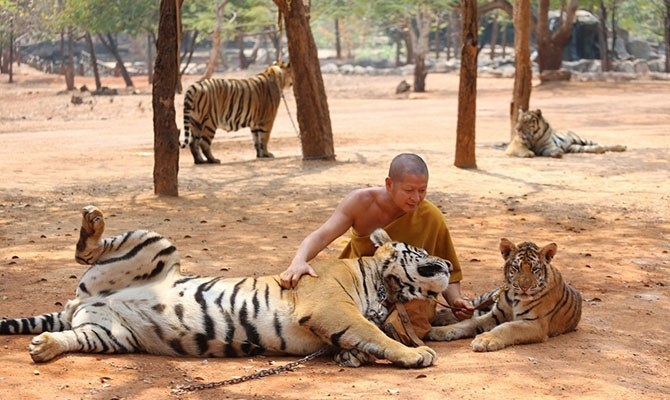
(424, 228)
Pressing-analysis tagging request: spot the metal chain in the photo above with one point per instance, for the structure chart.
(288, 111)
(183, 389)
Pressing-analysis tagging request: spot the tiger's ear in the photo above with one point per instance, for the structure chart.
(549, 251)
(379, 237)
(506, 248)
(538, 112)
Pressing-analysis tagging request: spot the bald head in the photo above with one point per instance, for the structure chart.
(407, 163)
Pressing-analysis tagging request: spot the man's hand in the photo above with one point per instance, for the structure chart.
(462, 308)
(291, 276)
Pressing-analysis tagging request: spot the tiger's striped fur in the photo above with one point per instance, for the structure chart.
(536, 137)
(232, 104)
(134, 298)
(533, 305)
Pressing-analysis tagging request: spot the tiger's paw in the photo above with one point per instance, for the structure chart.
(90, 234)
(417, 357)
(92, 221)
(353, 358)
(443, 334)
(487, 342)
(45, 347)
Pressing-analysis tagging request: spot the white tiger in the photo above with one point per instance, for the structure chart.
(134, 298)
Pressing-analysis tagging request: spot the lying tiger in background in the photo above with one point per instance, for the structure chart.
(231, 104)
(535, 137)
(534, 304)
(134, 298)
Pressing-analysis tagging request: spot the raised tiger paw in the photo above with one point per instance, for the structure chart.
(487, 342)
(45, 347)
(90, 234)
(353, 358)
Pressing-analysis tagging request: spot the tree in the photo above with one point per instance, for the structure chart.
(166, 69)
(523, 73)
(216, 39)
(550, 42)
(666, 38)
(467, 91)
(316, 133)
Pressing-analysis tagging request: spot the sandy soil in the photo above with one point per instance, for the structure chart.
(609, 215)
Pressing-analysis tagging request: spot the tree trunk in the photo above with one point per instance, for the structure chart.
(150, 60)
(419, 39)
(94, 60)
(216, 41)
(69, 68)
(316, 134)
(667, 36)
(467, 90)
(10, 68)
(110, 45)
(454, 21)
(338, 40)
(550, 44)
(604, 56)
(494, 37)
(188, 53)
(523, 74)
(166, 70)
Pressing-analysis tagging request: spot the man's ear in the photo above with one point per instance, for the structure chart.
(389, 183)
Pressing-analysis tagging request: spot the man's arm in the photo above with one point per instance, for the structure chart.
(335, 226)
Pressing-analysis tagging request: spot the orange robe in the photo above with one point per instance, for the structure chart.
(425, 228)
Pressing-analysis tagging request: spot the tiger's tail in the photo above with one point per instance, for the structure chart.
(54, 322)
(188, 107)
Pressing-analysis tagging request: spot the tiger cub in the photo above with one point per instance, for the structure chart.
(134, 299)
(232, 104)
(534, 304)
(534, 136)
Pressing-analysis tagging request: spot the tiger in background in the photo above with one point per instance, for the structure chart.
(231, 104)
(533, 305)
(534, 136)
(134, 299)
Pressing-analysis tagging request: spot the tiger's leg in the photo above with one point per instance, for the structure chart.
(261, 138)
(361, 336)
(510, 333)
(95, 330)
(616, 147)
(463, 329)
(194, 144)
(586, 148)
(90, 245)
(208, 131)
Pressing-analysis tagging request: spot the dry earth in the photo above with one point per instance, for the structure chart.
(609, 215)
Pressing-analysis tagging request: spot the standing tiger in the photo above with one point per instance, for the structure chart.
(534, 304)
(134, 298)
(534, 136)
(231, 104)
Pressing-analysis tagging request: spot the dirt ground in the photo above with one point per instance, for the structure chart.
(609, 215)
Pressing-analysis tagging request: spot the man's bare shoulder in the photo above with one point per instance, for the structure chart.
(366, 194)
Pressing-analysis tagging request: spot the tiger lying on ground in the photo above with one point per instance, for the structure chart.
(534, 304)
(535, 137)
(134, 298)
(231, 104)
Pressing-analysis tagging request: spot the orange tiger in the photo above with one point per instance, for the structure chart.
(534, 304)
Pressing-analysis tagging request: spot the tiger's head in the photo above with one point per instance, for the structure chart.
(527, 267)
(530, 126)
(409, 272)
(282, 74)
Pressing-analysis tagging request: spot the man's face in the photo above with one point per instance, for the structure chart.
(408, 192)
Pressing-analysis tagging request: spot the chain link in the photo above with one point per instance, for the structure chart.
(183, 389)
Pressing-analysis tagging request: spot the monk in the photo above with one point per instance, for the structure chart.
(401, 208)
